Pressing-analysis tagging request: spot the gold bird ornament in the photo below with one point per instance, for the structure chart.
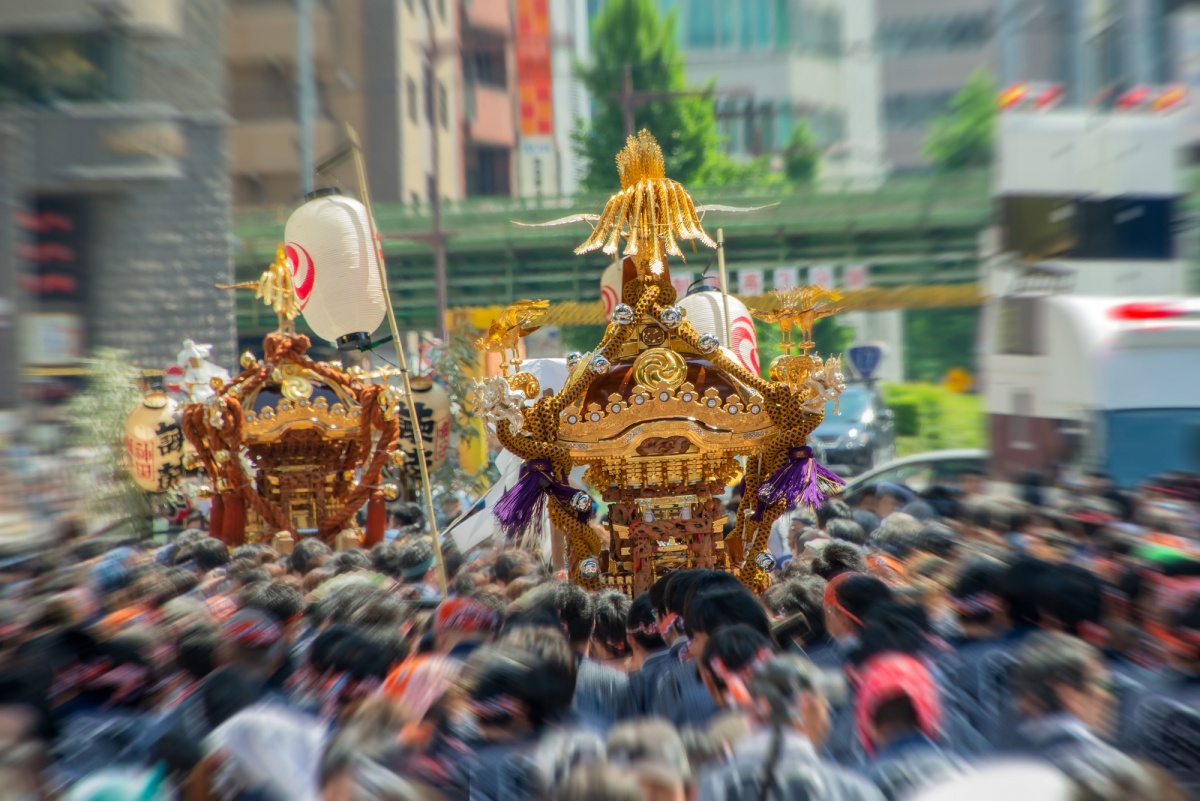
(519, 320)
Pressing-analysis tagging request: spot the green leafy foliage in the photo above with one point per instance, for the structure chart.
(937, 340)
(111, 497)
(963, 137)
(451, 362)
(929, 417)
(801, 156)
(634, 34)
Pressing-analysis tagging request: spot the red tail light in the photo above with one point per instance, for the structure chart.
(1145, 311)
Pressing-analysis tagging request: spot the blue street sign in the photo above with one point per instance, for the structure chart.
(865, 359)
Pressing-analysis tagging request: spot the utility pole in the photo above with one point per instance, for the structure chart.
(432, 55)
(630, 100)
(306, 100)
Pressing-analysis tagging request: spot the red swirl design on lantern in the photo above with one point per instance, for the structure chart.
(304, 273)
(745, 342)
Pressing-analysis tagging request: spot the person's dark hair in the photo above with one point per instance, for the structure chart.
(577, 611)
(658, 593)
(381, 610)
(678, 586)
(710, 612)
(413, 555)
(784, 599)
(538, 684)
(349, 561)
(839, 557)
(385, 559)
(705, 582)
(209, 554)
(978, 583)
(1071, 595)
(249, 551)
(280, 600)
(1047, 660)
(889, 626)
(182, 581)
(323, 653)
(858, 594)
(227, 692)
(939, 540)
(868, 491)
(253, 578)
(897, 535)
(641, 626)
(897, 714)
(511, 564)
(612, 610)
(196, 652)
(737, 646)
(835, 509)
(309, 553)
(1020, 587)
(843, 528)
(812, 603)
(340, 605)
(778, 685)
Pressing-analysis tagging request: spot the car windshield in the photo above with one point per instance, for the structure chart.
(853, 403)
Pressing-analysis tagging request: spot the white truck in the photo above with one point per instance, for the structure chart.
(1089, 348)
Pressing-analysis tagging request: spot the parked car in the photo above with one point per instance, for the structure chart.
(921, 471)
(859, 438)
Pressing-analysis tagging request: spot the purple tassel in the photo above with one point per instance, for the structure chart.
(521, 507)
(797, 482)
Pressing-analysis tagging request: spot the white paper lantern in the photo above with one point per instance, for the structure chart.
(154, 443)
(433, 410)
(335, 267)
(610, 287)
(706, 312)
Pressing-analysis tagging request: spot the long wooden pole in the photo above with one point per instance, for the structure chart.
(402, 361)
(724, 284)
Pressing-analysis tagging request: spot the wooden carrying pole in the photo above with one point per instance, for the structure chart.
(724, 284)
(402, 361)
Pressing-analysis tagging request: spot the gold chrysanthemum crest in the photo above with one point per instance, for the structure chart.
(651, 211)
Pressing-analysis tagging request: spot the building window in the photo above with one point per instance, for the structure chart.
(53, 68)
(815, 30)
(485, 65)
(941, 34)
(443, 105)
(915, 110)
(261, 92)
(411, 90)
(488, 172)
(1019, 329)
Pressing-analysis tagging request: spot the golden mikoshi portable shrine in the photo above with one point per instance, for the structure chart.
(661, 415)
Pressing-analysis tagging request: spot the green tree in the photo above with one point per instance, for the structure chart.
(936, 340)
(634, 34)
(963, 137)
(801, 156)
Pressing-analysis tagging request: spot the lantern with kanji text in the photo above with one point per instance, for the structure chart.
(154, 443)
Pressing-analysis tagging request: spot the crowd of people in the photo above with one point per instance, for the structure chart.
(943, 645)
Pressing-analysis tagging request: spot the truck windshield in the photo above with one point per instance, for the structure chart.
(1142, 442)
